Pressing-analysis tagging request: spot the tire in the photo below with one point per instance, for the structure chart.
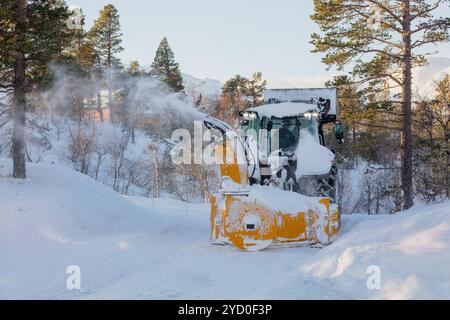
(320, 186)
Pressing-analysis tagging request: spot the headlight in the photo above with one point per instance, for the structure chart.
(249, 115)
(311, 115)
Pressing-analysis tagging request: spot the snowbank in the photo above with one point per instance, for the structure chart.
(57, 218)
(411, 250)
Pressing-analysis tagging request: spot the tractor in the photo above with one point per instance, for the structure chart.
(279, 181)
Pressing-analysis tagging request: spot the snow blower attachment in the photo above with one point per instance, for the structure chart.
(278, 180)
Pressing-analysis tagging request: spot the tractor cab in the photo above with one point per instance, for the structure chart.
(284, 132)
(273, 132)
(287, 128)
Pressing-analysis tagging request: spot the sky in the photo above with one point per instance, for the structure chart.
(220, 38)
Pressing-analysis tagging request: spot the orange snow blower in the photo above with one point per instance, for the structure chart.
(278, 180)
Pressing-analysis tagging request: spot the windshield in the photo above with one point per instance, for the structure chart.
(310, 125)
(250, 124)
(289, 132)
(286, 130)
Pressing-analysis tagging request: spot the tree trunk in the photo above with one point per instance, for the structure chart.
(99, 105)
(109, 64)
(110, 96)
(406, 139)
(156, 173)
(447, 167)
(18, 143)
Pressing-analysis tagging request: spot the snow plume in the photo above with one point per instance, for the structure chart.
(156, 98)
(142, 94)
(125, 146)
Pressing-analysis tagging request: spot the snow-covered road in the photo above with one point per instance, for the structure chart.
(136, 248)
(182, 264)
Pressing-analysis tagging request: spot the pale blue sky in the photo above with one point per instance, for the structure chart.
(220, 38)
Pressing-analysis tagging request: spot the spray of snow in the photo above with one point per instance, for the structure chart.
(141, 93)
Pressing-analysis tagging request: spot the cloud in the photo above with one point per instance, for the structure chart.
(425, 79)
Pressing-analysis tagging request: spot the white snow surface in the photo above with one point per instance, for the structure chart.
(140, 248)
(279, 200)
(312, 158)
(285, 109)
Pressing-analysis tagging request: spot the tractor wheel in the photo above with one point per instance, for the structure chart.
(320, 186)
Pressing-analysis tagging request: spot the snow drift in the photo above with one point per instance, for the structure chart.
(411, 251)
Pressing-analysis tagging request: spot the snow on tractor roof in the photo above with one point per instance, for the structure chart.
(285, 109)
(305, 95)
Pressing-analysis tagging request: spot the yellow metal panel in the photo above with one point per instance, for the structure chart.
(228, 164)
(239, 214)
(214, 227)
(292, 226)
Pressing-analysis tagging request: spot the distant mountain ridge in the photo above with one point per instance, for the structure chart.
(194, 86)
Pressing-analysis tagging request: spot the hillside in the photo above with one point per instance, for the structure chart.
(208, 88)
(142, 248)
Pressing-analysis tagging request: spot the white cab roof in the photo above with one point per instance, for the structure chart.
(285, 109)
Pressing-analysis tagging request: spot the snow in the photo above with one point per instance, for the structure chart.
(312, 158)
(279, 200)
(285, 109)
(208, 88)
(304, 94)
(136, 248)
(231, 187)
(411, 250)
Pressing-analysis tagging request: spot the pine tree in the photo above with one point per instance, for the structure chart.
(237, 90)
(76, 61)
(81, 47)
(32, 33)
(134, 69)
(255, 89)
(105, 37)
(432, 144)
(166, 68)
(384, 39)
